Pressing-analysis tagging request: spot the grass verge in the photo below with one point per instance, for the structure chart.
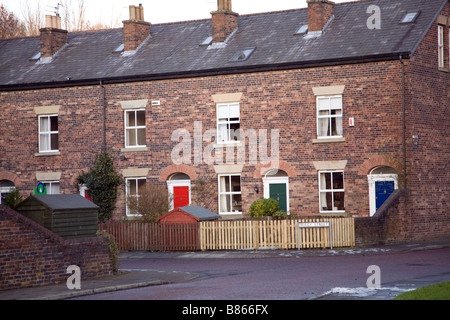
(440, 291)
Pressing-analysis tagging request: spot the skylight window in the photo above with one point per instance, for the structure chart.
(36, 57)
(302, 30)
(243, 55)
(410, 17)
(207, 41)
(119, 48)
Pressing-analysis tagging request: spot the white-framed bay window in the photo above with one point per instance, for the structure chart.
(135, 128)
(329, 116)
(230, 194)
(228, 122)
(331, 191)
(134, 185)
(48, 133)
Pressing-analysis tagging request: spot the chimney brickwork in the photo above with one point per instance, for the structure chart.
(319, 12)
(135, 30)
(53, 37)
(224, 21)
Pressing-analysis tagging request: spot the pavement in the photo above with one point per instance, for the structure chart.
(129, 279)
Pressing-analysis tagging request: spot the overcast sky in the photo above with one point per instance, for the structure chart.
(158, 11)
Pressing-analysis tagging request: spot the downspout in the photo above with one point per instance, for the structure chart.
(404, 122)
(104, 117)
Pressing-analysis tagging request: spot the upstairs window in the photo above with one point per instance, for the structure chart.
(441, 46)
(135, 128)
(48, 133)
(329, 116)
(228, 122)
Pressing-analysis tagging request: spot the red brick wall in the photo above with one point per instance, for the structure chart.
(30, 255)
(428, 117)
(281, 100)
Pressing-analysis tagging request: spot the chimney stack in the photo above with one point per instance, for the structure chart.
(135, 30)
(53, 37)
(319, 13)
(224, 21)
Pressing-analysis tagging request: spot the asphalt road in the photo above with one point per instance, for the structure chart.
(287, 276)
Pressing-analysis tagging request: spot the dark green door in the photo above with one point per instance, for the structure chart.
(278, 192)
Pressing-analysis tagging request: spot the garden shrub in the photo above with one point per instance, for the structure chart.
(263, 208)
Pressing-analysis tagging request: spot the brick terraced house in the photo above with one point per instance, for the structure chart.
(327, 109)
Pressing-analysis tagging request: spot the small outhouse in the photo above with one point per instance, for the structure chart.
(188, 214)
(67, 215)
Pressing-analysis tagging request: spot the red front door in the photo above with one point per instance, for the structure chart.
(180, 196)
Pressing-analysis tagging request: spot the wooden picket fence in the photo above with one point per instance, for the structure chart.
(231, 235)
(275, 234)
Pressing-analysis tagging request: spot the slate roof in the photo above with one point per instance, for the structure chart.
(174, 49)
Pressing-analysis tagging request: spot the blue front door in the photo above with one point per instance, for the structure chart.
(383, 189)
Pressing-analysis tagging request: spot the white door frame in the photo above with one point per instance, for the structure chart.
(267, 181)
(177, 183)
(373, 178)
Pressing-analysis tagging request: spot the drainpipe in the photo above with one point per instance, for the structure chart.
(404, 121)
(104, 117)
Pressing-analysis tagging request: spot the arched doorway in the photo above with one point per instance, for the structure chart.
(179, 186)
(383, 180)
(276, 186)
(6, 187)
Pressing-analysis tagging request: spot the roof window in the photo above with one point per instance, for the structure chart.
(207, 41)
(243, 55)
(119, 48)
(302, 30)
(36, 57)
(410, 17)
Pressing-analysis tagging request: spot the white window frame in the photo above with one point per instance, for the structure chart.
(441, 50)
(127, 193)
(229, 193)
(136, 127)
(48, 185)
(228, 122)
(332, 191)
(329, 116)
(49, 133)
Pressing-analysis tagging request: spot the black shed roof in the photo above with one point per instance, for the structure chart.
(175, 49)
(64, 201)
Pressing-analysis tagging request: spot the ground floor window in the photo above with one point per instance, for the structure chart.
(331, 190)
(230, 194)
(133, 187)
(52, 187)
(6, 187)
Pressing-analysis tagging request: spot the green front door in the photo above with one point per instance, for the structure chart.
(278, 191)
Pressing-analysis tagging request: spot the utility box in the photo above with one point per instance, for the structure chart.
(188, 214)
(67, 215)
